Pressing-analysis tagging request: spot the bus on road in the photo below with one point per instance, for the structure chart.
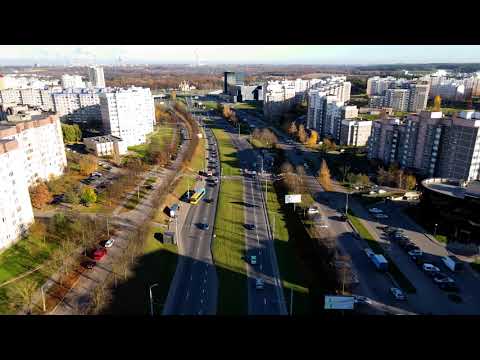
(197, 196)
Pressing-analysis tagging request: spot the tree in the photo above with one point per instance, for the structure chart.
(22, 293)
(329, 145)
(301, 134)
(88, 196)
(363, 180)
(72, 196)
(78, 132)
(173, 95)
(410, 182)
(226, 112)
(324, 177)
(40, 196)
(87, 164)
(383, 177)
(313, 138)
(286, 168)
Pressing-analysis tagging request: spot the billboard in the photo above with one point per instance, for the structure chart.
(339, 302)
(293, 199)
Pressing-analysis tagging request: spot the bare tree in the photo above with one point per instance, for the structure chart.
(22, 293)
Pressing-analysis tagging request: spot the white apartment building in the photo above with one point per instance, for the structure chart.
(41, 142)
(105, 145)
(377, 85)
(355, 132)
(30, 97)
(77, 105)
(72, 82)
(96, 76)
(10, 96)
(128, 114)
(16, 212)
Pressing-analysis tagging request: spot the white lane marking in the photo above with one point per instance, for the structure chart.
(188, 294)
(265, 301)
(191, 277)
(260, 266)
(205, 280)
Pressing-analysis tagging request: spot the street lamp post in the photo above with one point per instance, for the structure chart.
(435, 232)
(43, 298)
(151, 299)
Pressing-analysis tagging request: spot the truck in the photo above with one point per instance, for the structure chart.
(452, 263)
(380, 262)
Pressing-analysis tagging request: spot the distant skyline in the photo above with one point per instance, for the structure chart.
(237, 54)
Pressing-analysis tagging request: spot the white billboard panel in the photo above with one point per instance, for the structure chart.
(339, 302)
(293, 199)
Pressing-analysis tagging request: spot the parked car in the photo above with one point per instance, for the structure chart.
(313, 210)
(443, 279)
(397, 293)
(415, 252)
(375, 211)
(109, 243)
(259, 284)
(449, 286)
(99, 253)
(427, 267)
(452, 263)
(358, 299)
(204, 226)
(249, 226)
(381, 216)
(411, 246)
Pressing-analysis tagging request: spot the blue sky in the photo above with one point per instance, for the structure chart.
(239, 54)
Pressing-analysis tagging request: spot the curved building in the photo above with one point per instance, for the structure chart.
(454, 205)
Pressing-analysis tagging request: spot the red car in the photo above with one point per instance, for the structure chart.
(98, 254)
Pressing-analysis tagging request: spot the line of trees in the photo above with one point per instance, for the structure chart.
(396, 177)
(266, 136)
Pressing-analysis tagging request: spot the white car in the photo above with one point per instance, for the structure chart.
(415, 252)
(430, 268)
(381, 216)
(313, 210)
(375, 211)
(109, 242)
(358, 299)
(397, 293)
(259, 284)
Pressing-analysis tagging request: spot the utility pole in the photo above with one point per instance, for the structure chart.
(108, 229)
(43, 298)
(151, 298)
(346, 205)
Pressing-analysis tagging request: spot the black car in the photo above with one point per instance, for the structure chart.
(57, 199)
(449, 287)
(411, 246)
(249, 226)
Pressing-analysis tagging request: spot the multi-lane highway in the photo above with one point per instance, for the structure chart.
(194, 287)
(268, 300)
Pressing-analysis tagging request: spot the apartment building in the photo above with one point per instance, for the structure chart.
(30, 97)
(355, 132)
(96, 76)
(72, 82)
(420, 150)
(386, 138)
(128, 114)
(460, 147)
(16, 213)
(326, 107)
(41, 141)
(9, 96)
(77, 105)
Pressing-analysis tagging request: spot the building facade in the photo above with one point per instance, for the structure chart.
(128, 114)
(355, 132)
(106, 145)
(96, 76)
(72, 82)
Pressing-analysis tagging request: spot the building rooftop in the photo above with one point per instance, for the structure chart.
(453, 187)
(103, 138)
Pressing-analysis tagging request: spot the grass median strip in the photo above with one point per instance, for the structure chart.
(288, 263)
(227, 152)
(399, 277)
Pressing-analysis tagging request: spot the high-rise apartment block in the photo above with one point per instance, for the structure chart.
(128, 114)
(230, 82)
(355, 132)
(430, 143)
(96, 76)
(29, 152)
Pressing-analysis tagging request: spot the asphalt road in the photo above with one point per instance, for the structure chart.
(372, 284)
(270, 300)
(194, 288)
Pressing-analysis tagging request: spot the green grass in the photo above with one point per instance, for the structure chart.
(21, 257)
(377, 248)
(228, 249)
(288, 262)
(227, 152)
(199, 162)
(162, 136)
(135, 198)
(157, 265)
(441, 238)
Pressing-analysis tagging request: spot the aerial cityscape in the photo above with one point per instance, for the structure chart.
(239, 180)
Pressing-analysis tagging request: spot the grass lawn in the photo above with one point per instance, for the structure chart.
(25, 255)
(288, 263)
(227, 152)
(162, 136)
(377, 248)
(157, 265)
(248, 106)
(228, 249)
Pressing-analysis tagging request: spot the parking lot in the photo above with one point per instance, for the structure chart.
(410, 249)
